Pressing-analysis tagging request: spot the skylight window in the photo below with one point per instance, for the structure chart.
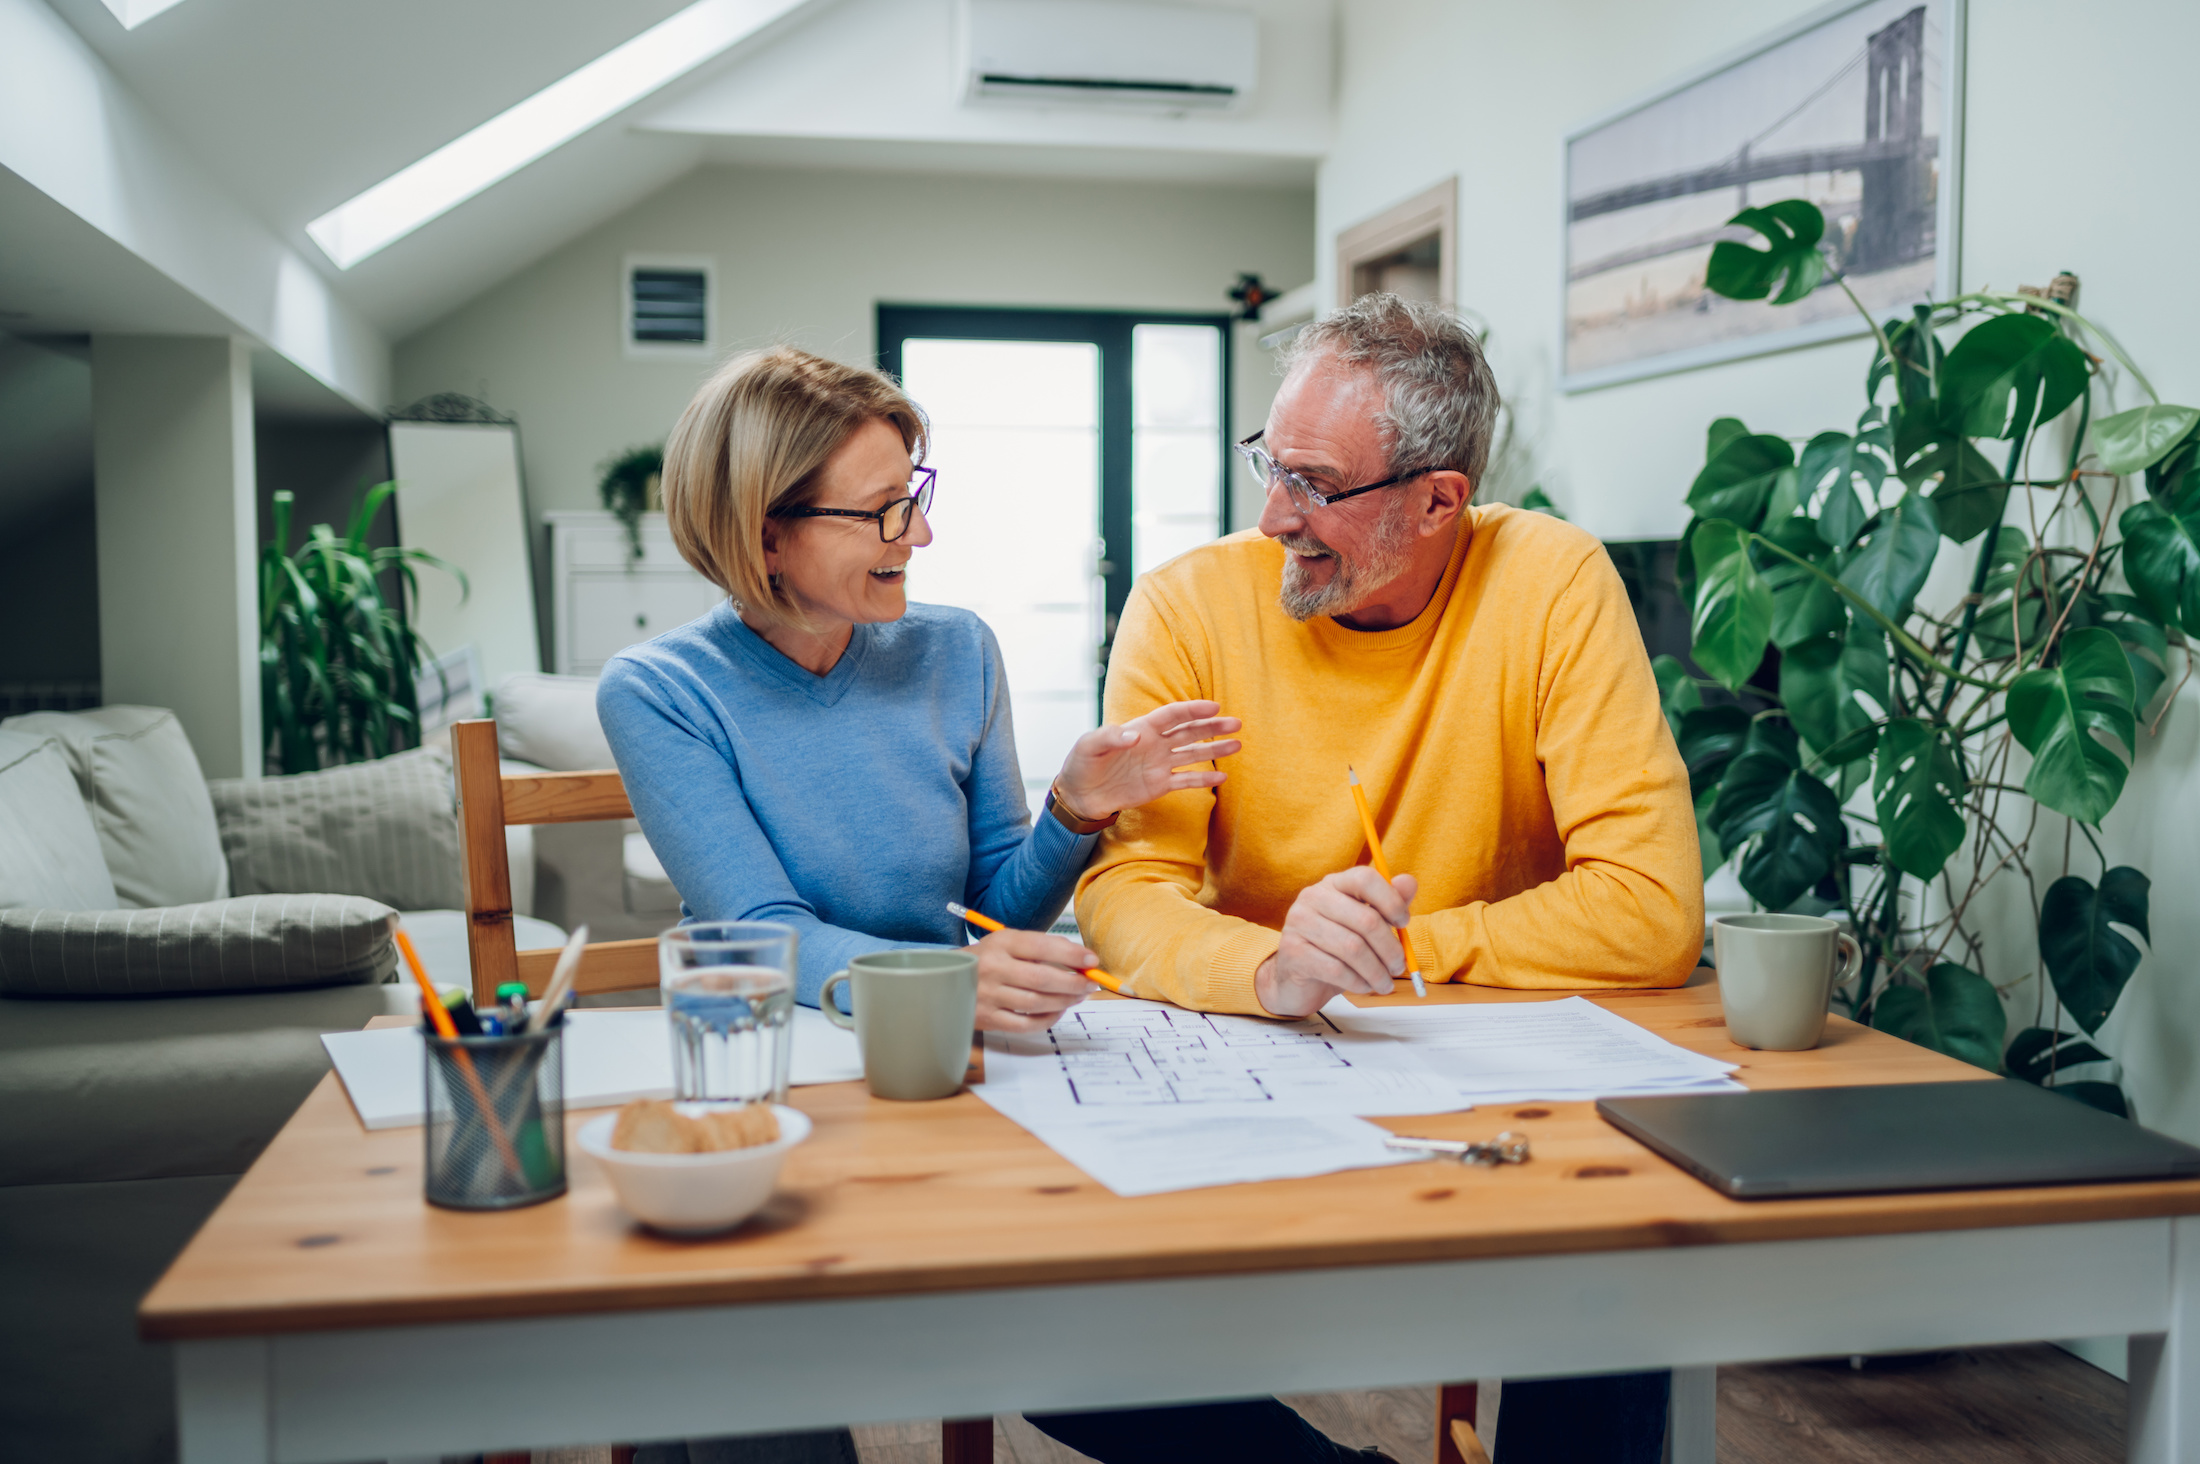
(550, 118)
(134, 13)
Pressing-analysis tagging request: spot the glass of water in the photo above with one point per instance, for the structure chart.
(729, 995)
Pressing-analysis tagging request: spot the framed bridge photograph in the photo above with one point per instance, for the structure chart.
(1856, 107)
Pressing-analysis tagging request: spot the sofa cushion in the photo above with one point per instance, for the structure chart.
(148, 799)
(550, 721)
(49, 851)
(386, 830)
(255, 943)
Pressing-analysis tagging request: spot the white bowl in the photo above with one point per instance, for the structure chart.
(694, 1194)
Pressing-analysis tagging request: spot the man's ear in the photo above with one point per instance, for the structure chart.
(1449, 494)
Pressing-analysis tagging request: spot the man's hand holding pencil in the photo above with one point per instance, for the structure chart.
(1340, 936)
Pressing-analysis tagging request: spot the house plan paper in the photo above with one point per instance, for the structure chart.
(1561, 1050)
(1153, 1152)
(1136, 1057)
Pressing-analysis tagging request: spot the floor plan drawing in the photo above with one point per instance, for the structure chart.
(1130, 1055)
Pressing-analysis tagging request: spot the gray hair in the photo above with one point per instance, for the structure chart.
(1439, 399)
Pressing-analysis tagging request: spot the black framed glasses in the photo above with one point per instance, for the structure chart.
(1304, 495)
(893, 520)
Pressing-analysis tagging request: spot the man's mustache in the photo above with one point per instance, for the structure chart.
(1306, 544)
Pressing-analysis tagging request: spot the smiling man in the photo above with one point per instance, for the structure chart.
(1479, 666)
(1482, 670)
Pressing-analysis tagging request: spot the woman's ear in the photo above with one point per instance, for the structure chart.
(772, 545)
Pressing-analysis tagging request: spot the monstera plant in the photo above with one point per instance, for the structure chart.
(1851, 747)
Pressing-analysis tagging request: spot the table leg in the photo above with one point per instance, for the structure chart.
(222, 1405)
(1692, 1416)
(2165, 1366)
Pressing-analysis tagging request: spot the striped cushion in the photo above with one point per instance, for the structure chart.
(387, 830)
(257, 943)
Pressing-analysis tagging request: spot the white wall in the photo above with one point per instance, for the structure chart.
(805, 257)
(2071, 136)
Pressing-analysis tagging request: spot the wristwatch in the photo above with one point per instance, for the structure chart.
(1069, 818)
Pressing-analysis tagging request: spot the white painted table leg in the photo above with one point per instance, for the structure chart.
(222, 1402)
(2165, 1366)
(1692, 1418)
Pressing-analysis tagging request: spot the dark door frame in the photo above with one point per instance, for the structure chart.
(1110, 330)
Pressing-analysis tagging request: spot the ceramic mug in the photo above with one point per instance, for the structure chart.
(1776, 977)
(914, 1011)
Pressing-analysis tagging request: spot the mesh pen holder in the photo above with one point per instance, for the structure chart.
(496, 1119)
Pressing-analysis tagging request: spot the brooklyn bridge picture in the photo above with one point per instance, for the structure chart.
(1851, 113)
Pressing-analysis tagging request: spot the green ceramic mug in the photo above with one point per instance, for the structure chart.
(1776, 976)
(914, 1011)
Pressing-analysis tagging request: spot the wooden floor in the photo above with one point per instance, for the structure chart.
(1989, 1405)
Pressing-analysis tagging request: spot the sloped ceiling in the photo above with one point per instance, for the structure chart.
(295, 107)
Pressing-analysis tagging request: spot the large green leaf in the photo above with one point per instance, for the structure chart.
(1738, 480)
(1733, 615)
(2162, 560)
(2007, 374)
(1722, 431)
(1791, 261)
(1918, 789)
(1956, 1012)
(1842, 465)
(2056, 713)
(1820, 680)
(2037, 1054)
(1791, 820)
(2089, 959)
(1710, 738)
(1918, 359)
(1967, 493)
(1803, 604)
(2133, 441)
(1677, 691)
(1889, 567)
(2143, 637)
(1707, 841)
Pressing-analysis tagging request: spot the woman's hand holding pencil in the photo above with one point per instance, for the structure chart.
(1026, 980)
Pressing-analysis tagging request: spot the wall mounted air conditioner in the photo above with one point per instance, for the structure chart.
(1101, 53)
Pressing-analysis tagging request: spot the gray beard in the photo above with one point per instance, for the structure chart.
(1356, 580)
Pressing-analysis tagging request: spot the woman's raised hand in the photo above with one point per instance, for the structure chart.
(1114, 768)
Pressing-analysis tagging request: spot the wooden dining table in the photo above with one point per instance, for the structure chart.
(934, 1259)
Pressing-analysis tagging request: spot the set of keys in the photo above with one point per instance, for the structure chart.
(1506, 1148)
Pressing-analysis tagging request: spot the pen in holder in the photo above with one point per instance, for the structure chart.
(496, 1119)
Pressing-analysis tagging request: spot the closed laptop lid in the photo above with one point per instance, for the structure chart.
(1896, 1136)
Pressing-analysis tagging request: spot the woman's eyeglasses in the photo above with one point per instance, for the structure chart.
(893, 520)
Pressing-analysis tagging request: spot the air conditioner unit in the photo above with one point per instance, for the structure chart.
(1098, 53)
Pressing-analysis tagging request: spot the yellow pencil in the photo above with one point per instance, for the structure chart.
(1375, 855)
(987, 922)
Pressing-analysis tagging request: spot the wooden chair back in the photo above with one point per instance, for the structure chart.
(488, 800)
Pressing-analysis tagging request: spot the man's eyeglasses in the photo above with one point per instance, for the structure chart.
(1305, 496)
(893, 520)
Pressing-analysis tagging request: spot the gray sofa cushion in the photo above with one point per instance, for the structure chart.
(550, 721)
(49, 851)
(141, 780)
(256, 943)
(387, 830)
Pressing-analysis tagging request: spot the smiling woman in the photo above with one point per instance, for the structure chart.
(821, 752)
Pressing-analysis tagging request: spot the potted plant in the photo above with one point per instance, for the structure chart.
(1867, 746)
(629, 488)
(337, 660)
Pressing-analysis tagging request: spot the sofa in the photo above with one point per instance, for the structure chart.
(171, 951)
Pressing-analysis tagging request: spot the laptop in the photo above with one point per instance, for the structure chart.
(1893, 1137)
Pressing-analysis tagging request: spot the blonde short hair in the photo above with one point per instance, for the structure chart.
(751, 444)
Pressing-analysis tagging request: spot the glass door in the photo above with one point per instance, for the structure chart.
(1060, 436)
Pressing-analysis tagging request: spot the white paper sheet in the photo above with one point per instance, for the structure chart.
(1560, 1050)
(610, 1057)
(1154, 1151)
(1108, 1058)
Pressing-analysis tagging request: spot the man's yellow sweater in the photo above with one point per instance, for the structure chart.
(1512, 747)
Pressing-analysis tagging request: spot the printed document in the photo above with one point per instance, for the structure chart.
(610, 1057)
(1558, 1051)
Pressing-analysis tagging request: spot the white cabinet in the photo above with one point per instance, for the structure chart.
(604, 599)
